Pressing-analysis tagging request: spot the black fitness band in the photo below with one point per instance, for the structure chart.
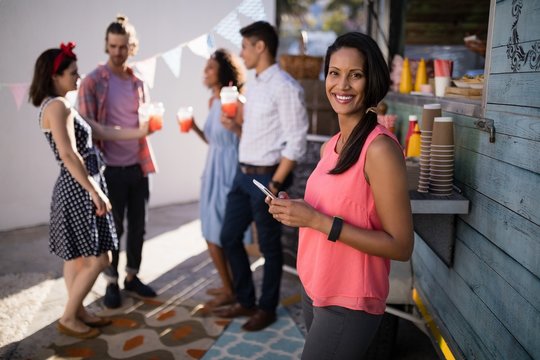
(276, 184)
(337, 225)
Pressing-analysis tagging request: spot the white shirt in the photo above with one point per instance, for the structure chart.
(275, 119)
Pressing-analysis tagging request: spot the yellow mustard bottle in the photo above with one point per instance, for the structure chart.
(421, 75)
(405, 85)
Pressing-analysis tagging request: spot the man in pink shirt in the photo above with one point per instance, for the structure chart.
(111, 94)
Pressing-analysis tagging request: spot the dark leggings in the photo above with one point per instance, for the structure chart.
(337, 333)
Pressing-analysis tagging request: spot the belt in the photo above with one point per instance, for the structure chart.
(128, 167)
(257, 170)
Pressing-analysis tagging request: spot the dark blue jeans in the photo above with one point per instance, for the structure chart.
(245, 203)
(129, 194)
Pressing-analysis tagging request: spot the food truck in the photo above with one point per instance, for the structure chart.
(473, 280)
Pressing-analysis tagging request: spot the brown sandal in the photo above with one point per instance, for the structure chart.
(89, 334)
(103, 321)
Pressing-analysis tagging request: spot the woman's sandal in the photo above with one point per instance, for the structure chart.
(89, 334)
(102, 321)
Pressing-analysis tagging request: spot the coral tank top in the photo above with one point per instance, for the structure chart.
(333, 273)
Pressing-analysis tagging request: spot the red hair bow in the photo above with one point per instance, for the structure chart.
(66, 51)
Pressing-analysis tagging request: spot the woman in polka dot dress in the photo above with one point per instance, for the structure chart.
(81, 226)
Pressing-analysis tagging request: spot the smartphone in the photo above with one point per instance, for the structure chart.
(264, 189)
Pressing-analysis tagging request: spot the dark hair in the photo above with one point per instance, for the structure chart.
(377, 85)
(42, 84)
(230, 71)
(261, 30)
(121, 26)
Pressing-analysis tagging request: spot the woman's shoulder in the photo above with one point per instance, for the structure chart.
(58, 103)
(384, 148)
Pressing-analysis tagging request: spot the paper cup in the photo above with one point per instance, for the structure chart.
(441, 83)
(429, 112)
(443, 132)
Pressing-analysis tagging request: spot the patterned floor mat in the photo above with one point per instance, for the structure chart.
(149, 329)
(164, 328)
(280, 341)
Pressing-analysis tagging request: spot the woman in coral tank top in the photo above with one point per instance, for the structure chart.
(355, 216)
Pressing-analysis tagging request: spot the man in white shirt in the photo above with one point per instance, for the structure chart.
(273, 140)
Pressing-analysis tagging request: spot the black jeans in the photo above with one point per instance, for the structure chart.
(337, 333)
(129, 194)
(245, 203)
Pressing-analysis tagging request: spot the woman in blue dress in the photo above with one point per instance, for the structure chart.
(221, 134)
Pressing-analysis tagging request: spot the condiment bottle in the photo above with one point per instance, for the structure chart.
(413, 121)
(405, 85)
(421, 75)
(413, 150)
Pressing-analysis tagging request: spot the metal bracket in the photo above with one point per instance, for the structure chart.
(486, 125)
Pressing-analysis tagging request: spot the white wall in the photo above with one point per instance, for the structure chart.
(27, 167)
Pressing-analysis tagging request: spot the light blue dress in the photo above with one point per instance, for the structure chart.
(218, 174)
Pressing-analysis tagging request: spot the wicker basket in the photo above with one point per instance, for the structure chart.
(301, 66)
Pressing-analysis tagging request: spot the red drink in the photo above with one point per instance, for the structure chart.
(185, 124)
(229, 109)
(155, 123)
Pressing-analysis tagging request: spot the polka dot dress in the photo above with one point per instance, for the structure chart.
(74, 228)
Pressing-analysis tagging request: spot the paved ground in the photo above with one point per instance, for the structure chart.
(32, 293)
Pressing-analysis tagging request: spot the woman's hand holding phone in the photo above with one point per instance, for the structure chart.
(264, 189)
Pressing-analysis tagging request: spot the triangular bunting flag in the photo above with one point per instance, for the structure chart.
(211, 42)
(173, 59)
(229, 28)
(147, 69)
(253, 9)
(18, 91)
(199, 46)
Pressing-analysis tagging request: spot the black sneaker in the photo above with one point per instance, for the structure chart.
(112, 298)
(136, 286)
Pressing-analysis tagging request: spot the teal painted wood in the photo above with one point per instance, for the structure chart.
(501, 64)
(513, 150)
(521, 125)
(515, 188)
(514, 311)
(525, 283)
(455, 293)
(461, 338)
(515, 90)
(518, 237)
(528, 24)
(460, 311)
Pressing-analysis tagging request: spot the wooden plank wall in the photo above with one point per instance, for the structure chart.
(488, 302)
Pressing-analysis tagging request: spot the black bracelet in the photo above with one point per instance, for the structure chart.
(276, 184)
(337, 225)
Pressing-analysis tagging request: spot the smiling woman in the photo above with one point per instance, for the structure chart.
(355, 215)
(346, 83)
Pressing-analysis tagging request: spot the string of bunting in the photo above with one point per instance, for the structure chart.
(203, 46)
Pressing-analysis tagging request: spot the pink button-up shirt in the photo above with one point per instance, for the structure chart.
(91, 105)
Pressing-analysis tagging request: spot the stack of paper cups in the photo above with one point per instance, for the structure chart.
(442, 157)
(428, 114)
